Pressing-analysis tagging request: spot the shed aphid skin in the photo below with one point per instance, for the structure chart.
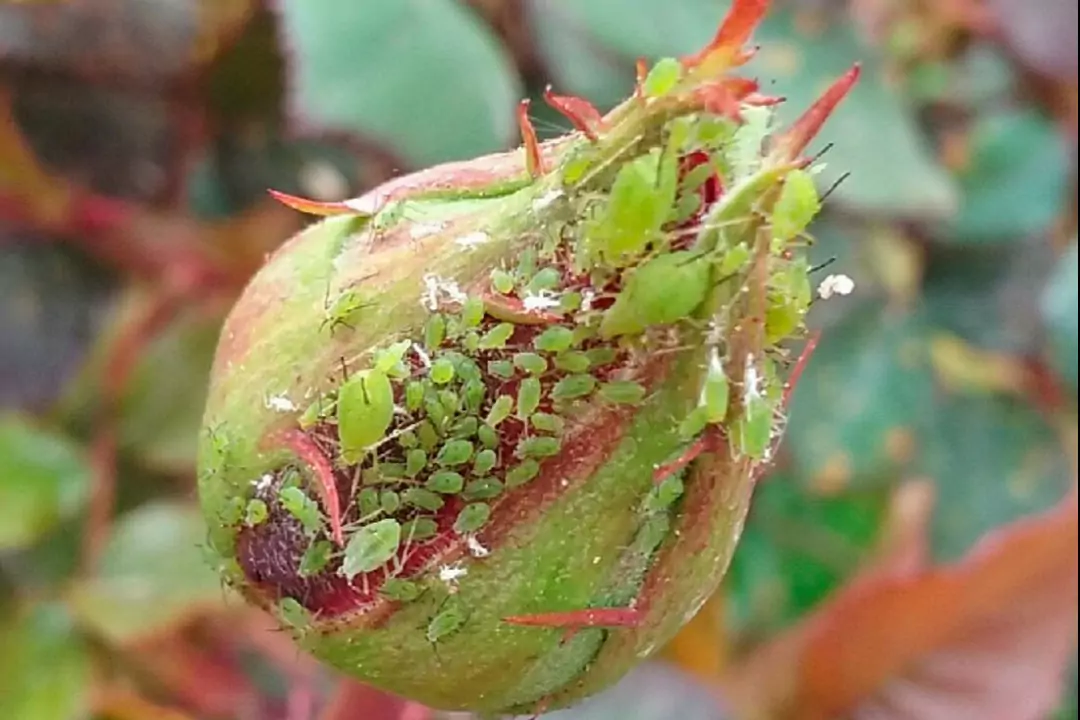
(512, 408)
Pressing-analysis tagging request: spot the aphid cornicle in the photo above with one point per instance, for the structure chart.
(551, 422)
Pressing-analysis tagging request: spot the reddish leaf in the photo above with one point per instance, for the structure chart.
(581, 113)
(988, 637)
(734, 32)
(534, 159)
(802, 131)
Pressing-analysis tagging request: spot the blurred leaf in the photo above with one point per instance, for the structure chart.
(45, 670)
(993, 459)
(988, 637)
(989, 296)
(652, 691)
(1060, 316)
(1040, 32)
(876, 136)
(854, 414)
(796, 549)
(426, 78)
(247, 81)
(44, 479)
(139, 40)
(1068, 709)
(54, 302)
(1017, 181)
(152, 576)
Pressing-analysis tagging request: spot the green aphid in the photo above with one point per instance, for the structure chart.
(665, 494)
(428, 435)
(695, 421)
(300, 506)
(585, 331)
(389, 501)
(415, 461)
(400, 590)
(414, 395)
(344, 309)
(470, 341)
(408, 440)
(454, 453)
(441, 372)
(293, 615)
(539, 447)
(715, 393)
(422, 499)
(371, 547)
(497, 337)
(472, 312)
(450, 401)
(600, 356)
(526, 266)
(475, 394)
(500, 410)
(485, 460)
(465, 428)
(444, 624)
(434, 332)
(233, 511)
(365, 412)
(753, 429)
(796, 207)
(522, 473)
(528, 399)
(256, 512)
(419, 528)
(501, 368)
(547, 422)
(368, 501)
(323, 407)
(445, 482)
(547, 279)
(486, 488)
(662, 78)
(315, 558)
(622, 392)
(454, 328)
(472, 517)
(502, 282)
(573, 387)
(570, 302)
(436, 411)
(488, 436)
(573, 361)
(531, 363)
(387, 359)
(554, 340)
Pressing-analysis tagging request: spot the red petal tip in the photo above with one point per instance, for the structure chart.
(581, 113)
(803, 130)
(310, 207)
(534, 161)
(735, 30)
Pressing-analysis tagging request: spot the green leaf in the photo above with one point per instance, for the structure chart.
(371, 547)
(153, 574)
(854, 414)
(993, 459)
(876, 134)
(44, 479)
(1017, 181)
(1060, 317)
(45, 667)
(365, 411)
(663, 290)
(428, 79)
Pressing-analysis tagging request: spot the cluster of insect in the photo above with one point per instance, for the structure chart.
(439, 427)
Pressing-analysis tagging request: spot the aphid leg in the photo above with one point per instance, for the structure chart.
(534, 160)
(310, 453)
(705, 442)
(800, 366)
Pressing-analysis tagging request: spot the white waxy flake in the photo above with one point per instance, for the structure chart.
(587, 297)
(752, 381)
(421, 230)
(546, 199)
(450, 574)
(476, 549)
(544, 300)
(835, 285)
(473, 239)
(421, 353)
(263, 483)
(435, 289)
(279, 403)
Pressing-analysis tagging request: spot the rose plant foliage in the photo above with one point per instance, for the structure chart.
(485, 437)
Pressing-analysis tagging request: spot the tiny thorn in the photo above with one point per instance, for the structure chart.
(800, 366)
(706, 442)
(534, 161)
(581, 113)
(641, 67)
(726, 46)
(577, 619)
(310, 453)
(311, 207)
(790, 144)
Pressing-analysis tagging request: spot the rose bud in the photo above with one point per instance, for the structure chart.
(485, 437)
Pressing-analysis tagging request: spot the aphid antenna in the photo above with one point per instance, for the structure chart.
(834, 186)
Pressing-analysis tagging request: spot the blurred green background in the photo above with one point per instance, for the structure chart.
(138, 137)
